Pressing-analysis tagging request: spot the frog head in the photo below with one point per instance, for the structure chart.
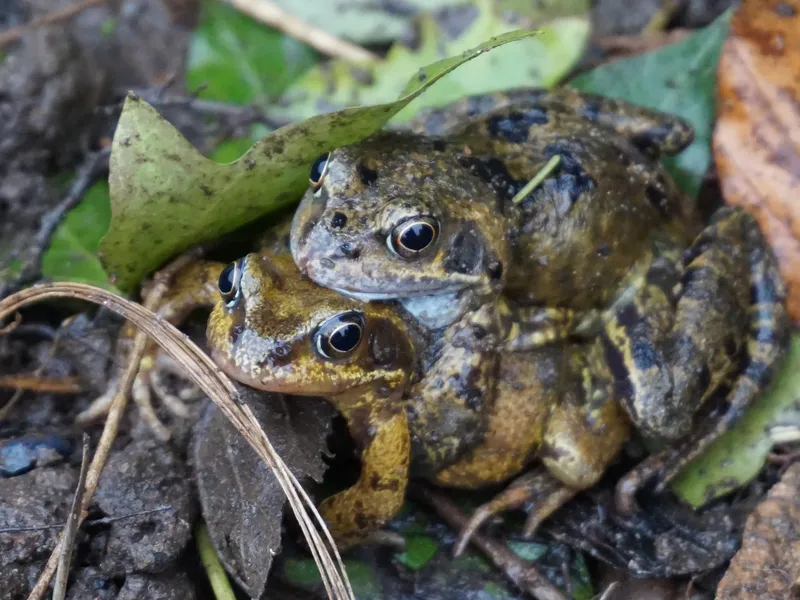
(274, 330)
(399, 215)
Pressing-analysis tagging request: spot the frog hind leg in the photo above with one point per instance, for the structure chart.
(356, 513)
(585, 431)
(765, 338)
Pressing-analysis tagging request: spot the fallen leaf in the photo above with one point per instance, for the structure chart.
(678, 79)
(757, 138)
(166, 196)
(241, 499)
(72, 254)
(537, 62)
(739, 454)
(768, 564)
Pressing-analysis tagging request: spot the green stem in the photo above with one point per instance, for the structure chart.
(216, 574)
(537, 179)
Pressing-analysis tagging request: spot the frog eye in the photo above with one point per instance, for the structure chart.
(339, 336)
(413, 236)
(318, 171)
(228, 283)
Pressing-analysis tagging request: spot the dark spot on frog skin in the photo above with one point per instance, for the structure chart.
(479, 332)
(349, 251)
(473, 398)
(206, 190)
(603, 250)
(464, 254)
(650, 140)
(591, 110)
(615, 362)
(493, 172)
(514, 127)
(368, 176)
(645, 355)
(236, 332)
(664, 276)
(339, 220)
(495, 269)
(477, 105)
(568, 178)
(439, 145)
(657, 199)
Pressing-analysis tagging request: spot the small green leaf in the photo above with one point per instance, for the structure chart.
(738, 455)
(166, 196)
(419, 550)
(72, 255)
(527, 550)
(304, 574)
(239, 59)
(678, 79)
(537, 62)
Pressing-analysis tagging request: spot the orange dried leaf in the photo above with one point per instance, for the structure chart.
(768, 564)
(757, 137)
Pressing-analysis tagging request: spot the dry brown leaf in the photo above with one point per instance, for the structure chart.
(768, 564)
(757, 137)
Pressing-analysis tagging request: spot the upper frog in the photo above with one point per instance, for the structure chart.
(408, 214)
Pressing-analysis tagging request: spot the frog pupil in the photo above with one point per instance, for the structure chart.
(318, 169)
(225, 283)
(346, 337)
(417, 236)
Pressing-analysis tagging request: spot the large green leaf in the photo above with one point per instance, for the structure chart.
(738, 456)
(72, 255)
(678, 79)
(241, 61)
(166, 196)
(537, 62)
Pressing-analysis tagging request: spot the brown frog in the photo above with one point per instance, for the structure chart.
(604, 241)
(439, 404)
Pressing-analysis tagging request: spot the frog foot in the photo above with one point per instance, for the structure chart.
(152, 368)
(537, 488)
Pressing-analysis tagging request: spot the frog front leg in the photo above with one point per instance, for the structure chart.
(383, 435)
(722, 317)
(585, 431)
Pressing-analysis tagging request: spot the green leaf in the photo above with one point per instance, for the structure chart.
(738, 455)
(527, 550)
(166, 196)
(420, 549)
(72, 255)
(678, 79)
(239, 59)
(304, 574)
(537, 62)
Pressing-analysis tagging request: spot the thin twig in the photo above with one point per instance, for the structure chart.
(63, 14)
(524, 574)
(319, 39)
(37, 383)
(95, 164)
(71, 530)
(90, 522)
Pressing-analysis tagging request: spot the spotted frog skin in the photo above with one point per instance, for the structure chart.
(438, 404)
(605, 243)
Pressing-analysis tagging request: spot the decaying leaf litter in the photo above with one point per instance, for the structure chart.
(679, 84)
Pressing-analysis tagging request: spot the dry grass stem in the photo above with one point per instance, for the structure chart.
(319, 39)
